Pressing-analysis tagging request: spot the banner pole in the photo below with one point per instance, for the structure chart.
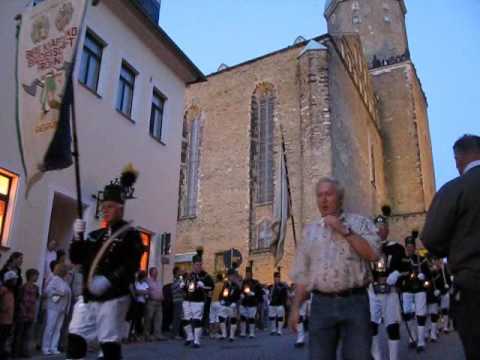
(288, 189)
(75, 154)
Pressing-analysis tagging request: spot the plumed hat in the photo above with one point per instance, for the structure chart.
(121, 189)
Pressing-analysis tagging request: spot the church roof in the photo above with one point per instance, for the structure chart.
(317, 39)
(312, 45)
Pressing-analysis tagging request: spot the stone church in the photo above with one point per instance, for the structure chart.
(349, 104)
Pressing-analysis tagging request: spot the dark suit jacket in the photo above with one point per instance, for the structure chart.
(452, 228)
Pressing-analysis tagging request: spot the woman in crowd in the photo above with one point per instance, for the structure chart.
(29, 295)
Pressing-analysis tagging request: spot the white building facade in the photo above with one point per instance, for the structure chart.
(130, 81)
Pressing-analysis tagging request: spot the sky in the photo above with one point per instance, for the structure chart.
(444, 39)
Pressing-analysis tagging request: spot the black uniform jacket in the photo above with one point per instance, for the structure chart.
(252, 298)
(119, 264)
(452, 228)
(279, 295)
(415, 266)
(195, 293)
(230, 294)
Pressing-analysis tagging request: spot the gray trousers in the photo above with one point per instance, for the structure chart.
(340, 319)
(153, 318)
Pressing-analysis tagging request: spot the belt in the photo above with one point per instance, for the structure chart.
(343, 293)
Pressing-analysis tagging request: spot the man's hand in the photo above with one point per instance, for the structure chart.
(293, 318)
(335, 224)
(393, 278)
(99, 285)
(79, 227)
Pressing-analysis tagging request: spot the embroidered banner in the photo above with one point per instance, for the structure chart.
(46, 49)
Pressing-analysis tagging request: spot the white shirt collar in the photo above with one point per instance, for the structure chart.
(471, 165)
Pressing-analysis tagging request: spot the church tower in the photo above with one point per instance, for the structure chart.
(402, 104)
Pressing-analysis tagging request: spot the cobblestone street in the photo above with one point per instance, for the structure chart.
(266, 347)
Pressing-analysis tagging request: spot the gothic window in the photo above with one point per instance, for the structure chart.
(356, 19)
(262, 144)
(189, 167)
(265, 235)
(355, 5)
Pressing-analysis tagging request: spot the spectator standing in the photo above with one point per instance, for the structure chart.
(333, 262)
(29, 296)
(58, 297)
(140, 289)
(7, 308)
(177, 298)
(154, 311)
(452, 229)
(50, 255)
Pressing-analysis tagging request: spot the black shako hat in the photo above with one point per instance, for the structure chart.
(383, 218)
(121, 189)
(411, 239)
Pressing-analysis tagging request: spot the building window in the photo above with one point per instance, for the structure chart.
(8, 185)
(125, 89)
(356, 19)
(91, 60)
(189, 168)
(156, 115)
(265, 235)
(355, 5)
(262, 146)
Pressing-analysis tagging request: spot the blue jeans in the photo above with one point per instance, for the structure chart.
(345, 319)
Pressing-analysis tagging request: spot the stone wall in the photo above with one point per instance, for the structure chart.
(224, 187)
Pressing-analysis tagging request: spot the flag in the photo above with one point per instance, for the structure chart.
(46, 50)
(281, 206)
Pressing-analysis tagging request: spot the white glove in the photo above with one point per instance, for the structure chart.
(393, 278)
(421, 276)
(99, 285)
(79, 227)
(200, 284)
(436, 293)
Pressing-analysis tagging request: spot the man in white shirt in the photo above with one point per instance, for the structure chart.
(333, 263)
(154, 311)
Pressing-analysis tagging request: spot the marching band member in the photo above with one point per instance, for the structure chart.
(109, 257)
(276, 309)
(251, 296)
(446, 290)
(384, 298)
(414, 295)
(197, 286)
(433, 285)
(229, 298)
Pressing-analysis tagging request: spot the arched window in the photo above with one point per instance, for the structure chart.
(189, 167)
(262, 142)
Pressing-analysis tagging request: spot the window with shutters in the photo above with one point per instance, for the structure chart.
(189, 168)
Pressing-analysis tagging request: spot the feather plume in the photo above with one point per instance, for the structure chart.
(386, 210)
(129, 176)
